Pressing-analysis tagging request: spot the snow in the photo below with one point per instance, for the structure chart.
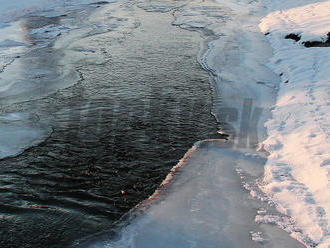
(297, 173)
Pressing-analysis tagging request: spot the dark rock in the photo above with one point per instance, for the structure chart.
(297, 37)
(318, 43)
(292, 36)
(100, 2)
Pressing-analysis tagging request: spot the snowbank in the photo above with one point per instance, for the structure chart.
(297, 173)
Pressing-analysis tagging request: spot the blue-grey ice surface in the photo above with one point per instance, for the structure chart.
(31, 67)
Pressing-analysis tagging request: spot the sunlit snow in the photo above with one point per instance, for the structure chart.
(297, 171)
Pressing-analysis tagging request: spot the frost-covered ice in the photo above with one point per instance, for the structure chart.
(34, 36)
(297, 173)
(19, 131)
(34, 39)
(10, 7)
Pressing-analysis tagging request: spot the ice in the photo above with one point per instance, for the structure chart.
(200, 204)
(19, 131)
(11, 43)
(19, 5)
(36, 60)
(30, 67)
(257, 237)
(37, 55)
(17, 8)
(160, 6)
(236, 57)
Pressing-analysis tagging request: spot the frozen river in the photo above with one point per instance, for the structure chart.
(99, 100)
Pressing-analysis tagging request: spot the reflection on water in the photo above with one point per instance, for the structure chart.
(116, 133)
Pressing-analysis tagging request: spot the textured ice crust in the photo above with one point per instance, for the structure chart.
(297, 172)
(37, 42)
(235, 55)
(18, 8)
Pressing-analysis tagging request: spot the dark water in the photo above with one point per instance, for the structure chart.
(116, 133)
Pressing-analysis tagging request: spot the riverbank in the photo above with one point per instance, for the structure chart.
(297, 171)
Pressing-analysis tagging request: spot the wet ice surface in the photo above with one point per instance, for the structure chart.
(30, 68)
(29, 62)
(204, 206)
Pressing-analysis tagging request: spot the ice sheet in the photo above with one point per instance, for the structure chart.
(33, 38)
(236, 57)
(33, 43)
(10, 7)
(18, 8)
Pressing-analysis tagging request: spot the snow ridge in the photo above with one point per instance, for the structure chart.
(297, 173)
